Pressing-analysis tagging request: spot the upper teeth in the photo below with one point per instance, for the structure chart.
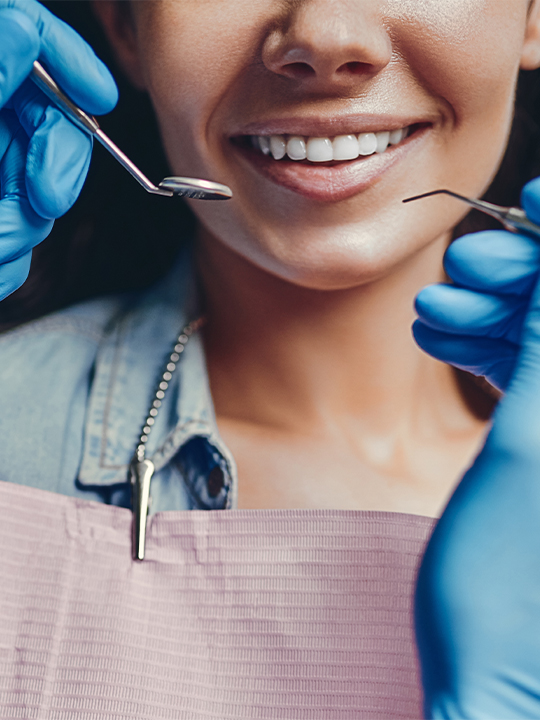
(324, 149)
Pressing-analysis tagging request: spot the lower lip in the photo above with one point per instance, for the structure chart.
(330, 182)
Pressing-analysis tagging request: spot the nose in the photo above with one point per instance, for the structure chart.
(329, 45)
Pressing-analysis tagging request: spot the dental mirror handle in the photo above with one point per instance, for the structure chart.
(90, 125)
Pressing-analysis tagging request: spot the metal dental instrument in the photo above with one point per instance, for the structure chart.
(169, 187)
(513, 218)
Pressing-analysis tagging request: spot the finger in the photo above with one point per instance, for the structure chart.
(58, 155)
(13, 158)
(459, 311)
(530, 200)
(19, 47)
(13, 274)
(21, 228)
(492, 358)
(495, 261)
(72, 62)
(57, 164)
(8, 125)
(30, 105)
(518, 421)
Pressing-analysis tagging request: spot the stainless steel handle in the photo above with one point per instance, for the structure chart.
(89, 124)
(45, 83)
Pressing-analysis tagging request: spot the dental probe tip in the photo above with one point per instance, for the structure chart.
(513, 219)
(434, 192)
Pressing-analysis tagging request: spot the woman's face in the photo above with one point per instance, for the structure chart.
(228, 78)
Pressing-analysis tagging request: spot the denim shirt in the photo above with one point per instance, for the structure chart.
(76, 387)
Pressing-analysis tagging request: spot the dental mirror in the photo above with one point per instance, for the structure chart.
(169, 187)
(195, 189)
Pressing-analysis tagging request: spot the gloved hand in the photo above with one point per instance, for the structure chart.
(44, 158)
(477, 605)
(476, 323)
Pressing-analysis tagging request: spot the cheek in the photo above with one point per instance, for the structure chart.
(466, 52)
(194, 52)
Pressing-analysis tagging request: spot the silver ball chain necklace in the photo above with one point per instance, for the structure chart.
(141, 470)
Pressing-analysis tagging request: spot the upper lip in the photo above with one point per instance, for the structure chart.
(330, 127)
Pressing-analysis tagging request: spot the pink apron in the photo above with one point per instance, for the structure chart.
(256, 614)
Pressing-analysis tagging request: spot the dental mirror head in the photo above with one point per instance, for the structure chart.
(196, 189)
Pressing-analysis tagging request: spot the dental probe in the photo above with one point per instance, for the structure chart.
(168, 187)
(513, 218)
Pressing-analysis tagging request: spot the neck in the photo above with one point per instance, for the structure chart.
(296, 359)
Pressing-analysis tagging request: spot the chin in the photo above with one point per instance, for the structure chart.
(336, 266)
(322, 253)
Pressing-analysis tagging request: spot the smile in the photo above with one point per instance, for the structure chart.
(330, 168)
(325, 149)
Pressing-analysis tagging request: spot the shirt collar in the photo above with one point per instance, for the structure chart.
(128, 367)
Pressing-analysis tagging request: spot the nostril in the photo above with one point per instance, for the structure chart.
(299, 70)
(304, 70)
(353, 68)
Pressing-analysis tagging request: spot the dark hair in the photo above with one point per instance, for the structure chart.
(117, 237)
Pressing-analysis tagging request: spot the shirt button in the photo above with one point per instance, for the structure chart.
(216, 481)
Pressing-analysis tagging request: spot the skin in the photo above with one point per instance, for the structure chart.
(319, 389)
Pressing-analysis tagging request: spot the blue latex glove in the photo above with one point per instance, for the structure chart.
(478, 593)
(476, 323)
(44, 158)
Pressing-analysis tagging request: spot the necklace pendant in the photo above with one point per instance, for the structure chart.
(141, 470)
(141, 474)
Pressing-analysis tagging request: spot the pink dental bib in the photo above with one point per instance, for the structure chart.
(255, 614)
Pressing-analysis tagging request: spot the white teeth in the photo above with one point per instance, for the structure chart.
(383, 139)
(323, 149)
(264, 143)
(396, 136)
(278, 146)
(345, 147)
(296, 148)
(367, 143)
(320, 150)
